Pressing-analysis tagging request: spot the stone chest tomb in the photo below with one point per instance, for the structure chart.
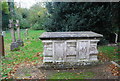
(70, 47)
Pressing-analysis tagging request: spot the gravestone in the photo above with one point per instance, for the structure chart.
(3, 33)
(14, 44)
(19, 41)
(26, 32)
(73, 48)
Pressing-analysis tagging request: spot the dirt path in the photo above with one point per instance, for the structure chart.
(29, 71)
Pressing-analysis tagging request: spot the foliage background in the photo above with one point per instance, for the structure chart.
(101, 17)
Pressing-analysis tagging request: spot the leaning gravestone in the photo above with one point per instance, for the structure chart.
(70, 48)
(19, 41)
(14, 44)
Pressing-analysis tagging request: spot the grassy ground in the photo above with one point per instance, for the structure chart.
(109, 53)
(71, 75)
(32, 47)
(32, 52)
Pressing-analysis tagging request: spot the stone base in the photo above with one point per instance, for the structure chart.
(67, 65)
(14, 46)
(20, 43)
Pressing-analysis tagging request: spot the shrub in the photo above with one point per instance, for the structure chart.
(37, 26)
(24, 23)
(103, 41)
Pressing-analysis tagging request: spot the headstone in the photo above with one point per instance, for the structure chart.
(79, 48)
(3, 33)
(19, 41)
(11, 26)
(14, 44)
(26, 32)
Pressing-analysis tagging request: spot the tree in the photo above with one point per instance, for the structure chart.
(22, 15)
(115, 8)
(80, 16)
(5, 14)
(37, 15)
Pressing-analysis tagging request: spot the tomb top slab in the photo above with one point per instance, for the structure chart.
(82, 34)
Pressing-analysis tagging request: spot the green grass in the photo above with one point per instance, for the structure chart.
(32, 46)
(109, 51)
(70, 75)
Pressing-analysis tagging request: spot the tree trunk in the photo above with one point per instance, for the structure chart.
(2, 53)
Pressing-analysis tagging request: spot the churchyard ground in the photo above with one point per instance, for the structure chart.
(24, 62)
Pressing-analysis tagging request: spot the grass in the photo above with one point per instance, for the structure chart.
(70, 75)
(32, 46)
(110, 52)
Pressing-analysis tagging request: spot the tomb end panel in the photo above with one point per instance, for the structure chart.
(93, 51)
(93, 47)
(48, 51)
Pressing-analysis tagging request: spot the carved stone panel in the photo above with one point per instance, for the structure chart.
(93, 47)
(59, 51)
(48, 49)
(71, 48)
(71, 51)
(83, 49)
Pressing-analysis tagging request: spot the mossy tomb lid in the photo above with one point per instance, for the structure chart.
(69, 35)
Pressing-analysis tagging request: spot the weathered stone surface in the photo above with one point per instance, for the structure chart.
(67, 65)
(84, 34)
(3, 33)
(14, 45)
(20, 43)
(74, 49)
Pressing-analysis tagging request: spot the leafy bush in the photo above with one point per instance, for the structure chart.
(103, 41)
(24, 24)
(37, 26)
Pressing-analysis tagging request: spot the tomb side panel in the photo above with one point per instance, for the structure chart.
(71, 50)
(83, 49)
(59, 51)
